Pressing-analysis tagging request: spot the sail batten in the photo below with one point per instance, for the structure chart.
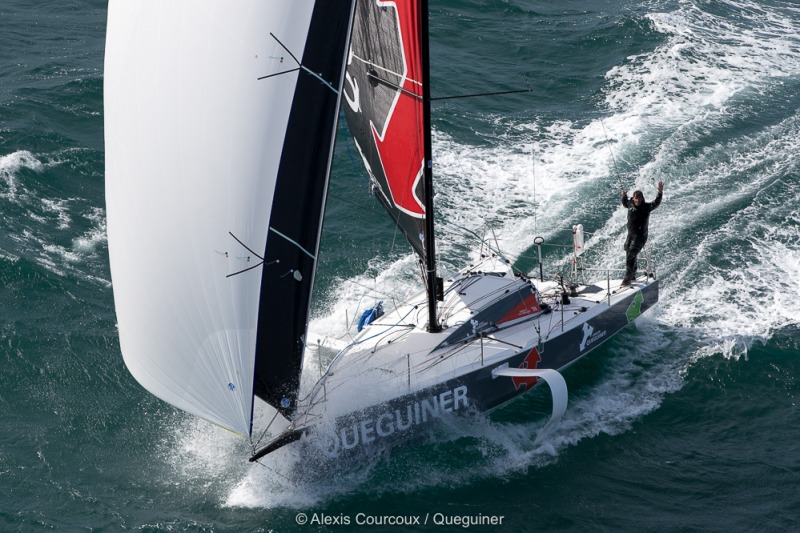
(376, 66)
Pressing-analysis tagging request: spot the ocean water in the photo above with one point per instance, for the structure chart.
(687, 421)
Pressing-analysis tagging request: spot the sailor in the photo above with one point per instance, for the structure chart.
(638, 218)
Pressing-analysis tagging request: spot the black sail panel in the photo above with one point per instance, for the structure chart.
(299, 200)
(382, 103)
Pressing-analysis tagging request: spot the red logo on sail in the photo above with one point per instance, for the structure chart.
(529, 306)
(400, 145)
(531, 360)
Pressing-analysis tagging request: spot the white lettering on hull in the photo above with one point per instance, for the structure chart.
(386, 424)
(590, 337)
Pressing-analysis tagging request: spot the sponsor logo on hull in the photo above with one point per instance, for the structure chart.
(531, 362)
(590, 336)
(635, 307)
(359, 431)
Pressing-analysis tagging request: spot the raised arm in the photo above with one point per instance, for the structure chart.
(657, 201)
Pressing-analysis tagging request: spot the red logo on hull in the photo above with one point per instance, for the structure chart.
(531, 360)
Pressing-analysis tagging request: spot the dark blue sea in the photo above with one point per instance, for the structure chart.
(687, 421)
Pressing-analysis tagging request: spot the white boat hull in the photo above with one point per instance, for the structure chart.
(397, 378)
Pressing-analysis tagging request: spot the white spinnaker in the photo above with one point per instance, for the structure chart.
(193, 142)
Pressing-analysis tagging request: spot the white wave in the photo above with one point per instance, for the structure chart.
(60, 209)
(51, 216)
(499, 185)
(10, 165)
(77, 261)
(706, 60)
(654, 100)
(272, 484)
(744, 278)
(90, 240)
(200, 456)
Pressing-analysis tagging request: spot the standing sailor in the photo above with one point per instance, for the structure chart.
(638, 219)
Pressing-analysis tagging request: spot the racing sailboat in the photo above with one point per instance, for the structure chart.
(220, 120)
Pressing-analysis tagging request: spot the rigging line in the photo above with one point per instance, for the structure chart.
(284, 47)
(266, 429)
(484, 242)
(278, 73)
(376, 192)
(486, 334)
(496, 93)
(318, 76)
(388, 330)
(390, 377)
(345, 131)
(496, 243)
(376, 291)
(371, 211)
(428, 364)
(389, 338)
(533, 175)
(363, 208)
(392, 252)
(466, 344)
(247, 269)
(273, 470)
(463, 229)
(245, 246)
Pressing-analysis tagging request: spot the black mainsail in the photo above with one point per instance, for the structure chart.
(387, 107)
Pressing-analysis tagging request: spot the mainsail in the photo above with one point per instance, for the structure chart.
(219, 124)
(383, 105)
(387, 94)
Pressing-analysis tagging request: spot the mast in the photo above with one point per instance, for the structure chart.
(387, 95)
(430, 248)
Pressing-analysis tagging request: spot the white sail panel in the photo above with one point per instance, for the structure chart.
(193, 143)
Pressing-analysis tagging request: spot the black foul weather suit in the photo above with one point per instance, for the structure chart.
(638, 218)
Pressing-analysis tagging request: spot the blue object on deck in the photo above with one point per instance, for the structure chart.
(368, 316)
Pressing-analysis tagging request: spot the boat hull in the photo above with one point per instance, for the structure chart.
(479, 390)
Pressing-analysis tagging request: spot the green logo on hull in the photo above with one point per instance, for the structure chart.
(635, 308)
